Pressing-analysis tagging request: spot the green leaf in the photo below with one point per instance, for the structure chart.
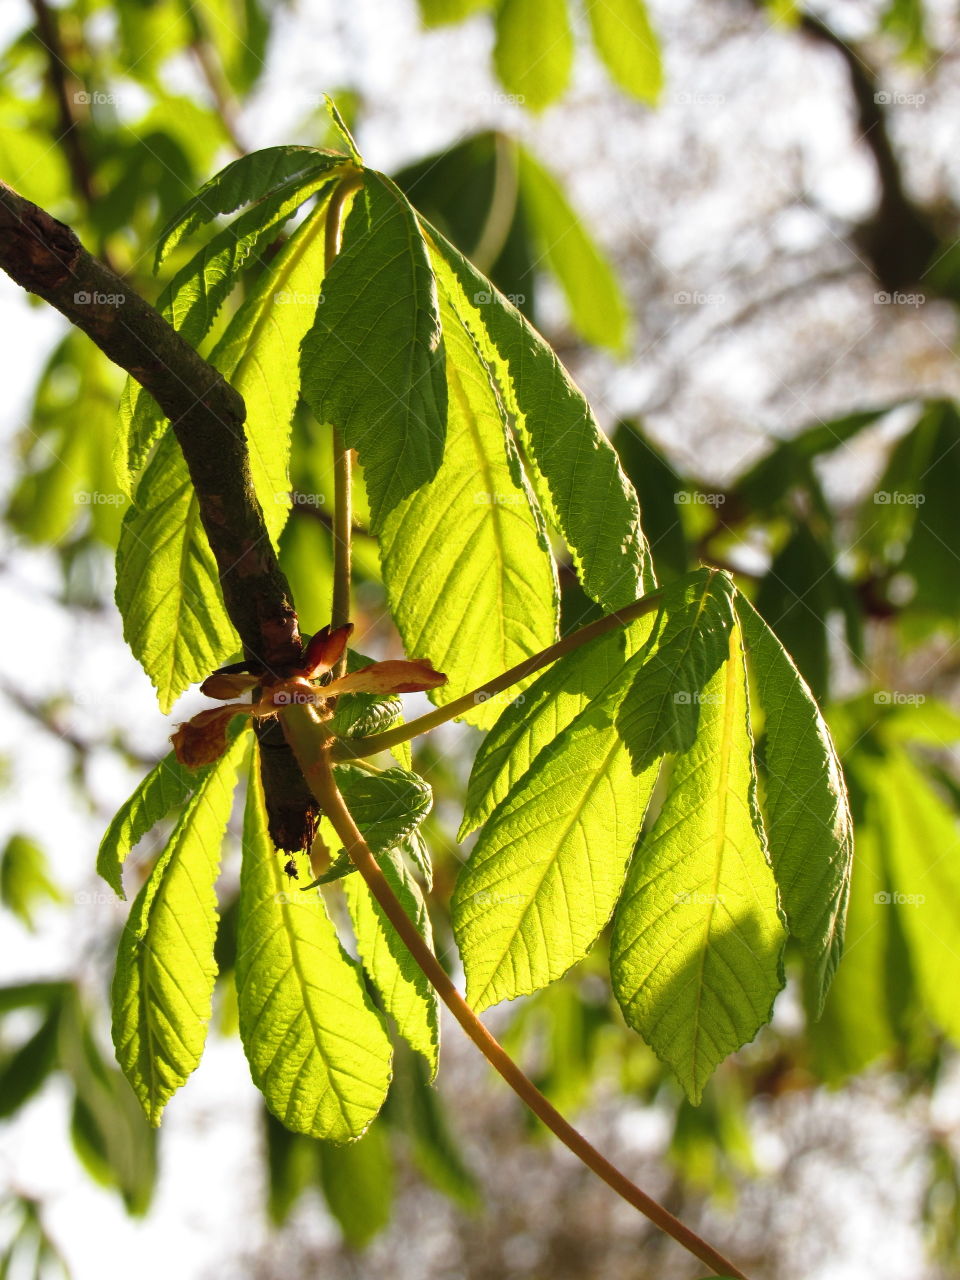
(465, 563)
(167, 583)
(576, 474)
(696, 953)
(26, 1069)
(598, 308)
(533, 719)
(66, 477)
(317, 1048)
(190, 302)
(859, 1020)
(533, 54)
(293, 1163)
(417, 854)
(661, 711)
(24, 878)
(419, 1108)
(259, 356)
(360, 714)
(404, 989)
(921, 842)
(628, 45)
(341, 130)
(437, 13)
(809, 828)
(373, 363)
(168, 588)
(250, 179)
(788, 464)
(27, 995)
(357, 1181)
(110, 1133)
(167, 786)
(657, 485)
(386, 806)
(796, 599)
(163, 985)
(545, 874)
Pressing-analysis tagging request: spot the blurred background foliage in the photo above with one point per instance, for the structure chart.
(841, 518)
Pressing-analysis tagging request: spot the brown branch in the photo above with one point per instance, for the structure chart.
(206, 414)
(898, 238)
(60, 79)
(69, 134)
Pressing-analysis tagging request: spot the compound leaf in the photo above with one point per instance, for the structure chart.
(317, 1048)
(576, 474)
(697, 942)
(163, 985)
(373, 362)
(534, 50)
(628, 45)
(465, 563)
(546, 871)
(598, 308)
(405, 991)
(809, 828)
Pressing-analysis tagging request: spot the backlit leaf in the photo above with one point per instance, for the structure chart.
(317, 1048)
(696, 950)
(163, 985)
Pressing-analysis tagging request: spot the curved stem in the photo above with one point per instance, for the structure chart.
(319, 774)
(369, 746)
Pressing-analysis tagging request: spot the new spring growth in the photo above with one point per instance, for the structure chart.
(203, 739)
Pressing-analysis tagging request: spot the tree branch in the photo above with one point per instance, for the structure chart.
(45, 257)
(206, 414)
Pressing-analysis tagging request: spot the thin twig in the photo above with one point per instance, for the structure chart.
(69, 129)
